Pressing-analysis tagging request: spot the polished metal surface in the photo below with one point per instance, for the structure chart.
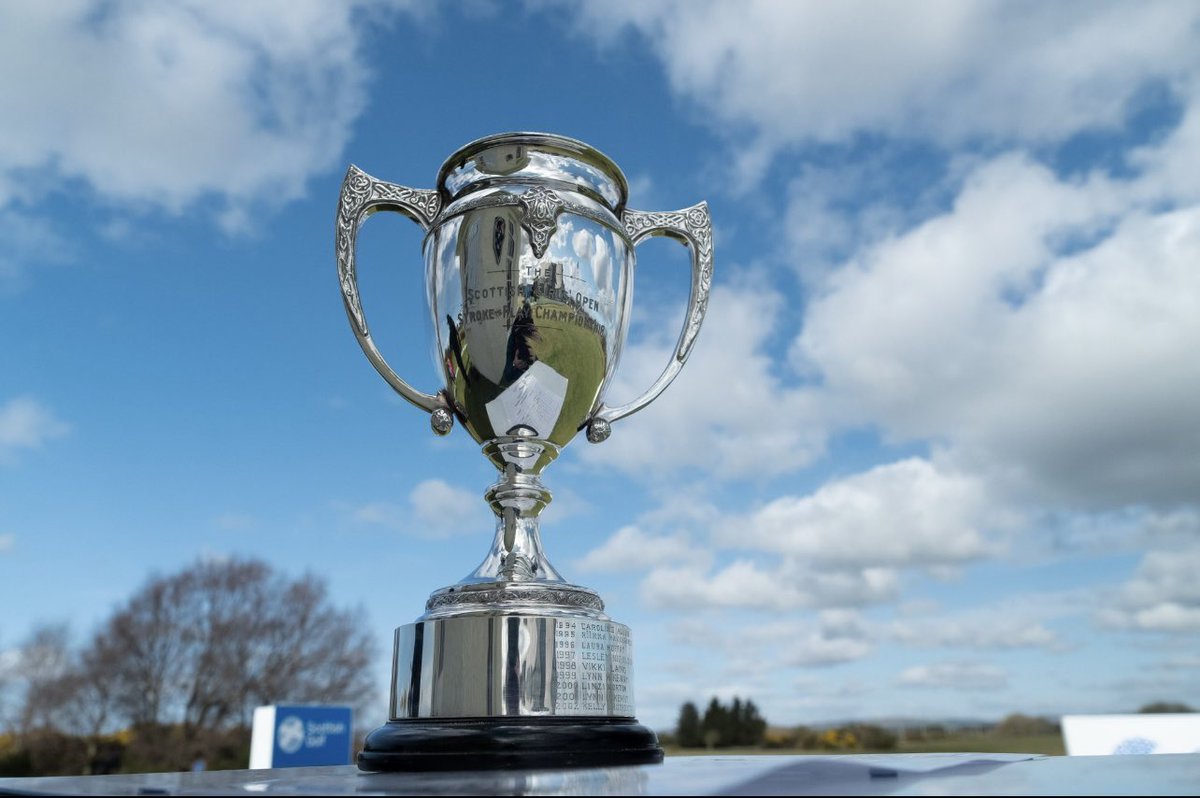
(363, 195)
(529, 260)
(535, 158)
(529, 272)
(880, 774)
(556, 663)
(557, 598)
(693, 228)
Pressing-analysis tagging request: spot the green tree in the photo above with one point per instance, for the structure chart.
(753, 725)
(722, 726)
(1018, 725)
(687, 731)
(715, 725)
(1161, 707)
(871, 737)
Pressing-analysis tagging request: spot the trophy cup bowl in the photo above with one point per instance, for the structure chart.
(529, 264)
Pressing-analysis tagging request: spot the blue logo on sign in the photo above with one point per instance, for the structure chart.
(312, 735)
(1135, 745)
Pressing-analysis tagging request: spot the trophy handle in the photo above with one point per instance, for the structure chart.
(362, 196)
(693, 228)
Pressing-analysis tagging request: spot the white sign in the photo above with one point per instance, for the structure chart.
(297, 735)
(1149, 733)
(534, 401)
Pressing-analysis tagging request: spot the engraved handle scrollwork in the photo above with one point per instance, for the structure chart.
(693, 227)
(361, 196)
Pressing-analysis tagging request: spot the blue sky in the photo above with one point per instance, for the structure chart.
(936, 451)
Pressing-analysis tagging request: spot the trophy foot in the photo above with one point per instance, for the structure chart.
(495, 743)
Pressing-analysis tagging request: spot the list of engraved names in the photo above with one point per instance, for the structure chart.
(592, 668)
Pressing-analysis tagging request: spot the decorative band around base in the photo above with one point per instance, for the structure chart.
(515, 593)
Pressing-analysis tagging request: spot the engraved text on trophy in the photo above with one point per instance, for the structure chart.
(530, 341)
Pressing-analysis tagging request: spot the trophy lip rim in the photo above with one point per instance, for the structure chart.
(570, 145)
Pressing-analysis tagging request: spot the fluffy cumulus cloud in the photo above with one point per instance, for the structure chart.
(845, 545)
(161, 104)
(780, 586)
(983, 632)
(27, 424)
(715, 415)
(840, 636)
(631, 547)
(1163, 594)
(778, 72)
(1042, 327)
(992, 214)
(833, 638)
(435, 509)
(907, 513)
(956, 675)
(1039, 330)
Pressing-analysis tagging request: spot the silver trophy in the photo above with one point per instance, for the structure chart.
(529, 263)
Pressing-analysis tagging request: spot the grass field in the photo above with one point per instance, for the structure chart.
(981, 742)
(1050, 744)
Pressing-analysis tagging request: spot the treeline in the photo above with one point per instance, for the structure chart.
(721, 726)
(847, 738)
(740, 724)
(173, 675)
(145, 748)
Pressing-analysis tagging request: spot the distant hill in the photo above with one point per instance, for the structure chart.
(897, 723)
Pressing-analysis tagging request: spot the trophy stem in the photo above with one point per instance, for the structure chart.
(517, 498)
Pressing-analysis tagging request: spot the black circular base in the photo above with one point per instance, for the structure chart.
(492, 743)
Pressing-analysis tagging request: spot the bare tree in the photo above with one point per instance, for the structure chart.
(43, 677)
(204, 646)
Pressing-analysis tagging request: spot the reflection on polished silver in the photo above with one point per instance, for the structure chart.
(523, 664)
(529, 265)
(598, 430)
(541, 208)
(468, 598)
(441, 421)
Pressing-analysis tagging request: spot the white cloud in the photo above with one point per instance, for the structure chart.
(985, 630)
(632, 549)
(907, 513)
(10, 665)
(1068, 371)
(235, 521)
(842, 546)
(7, 542)
(780, 72)
(1018, 620)
(955, 676)
(1170, 165)
(435, 509)
(841, 636)
(838, 636)
(779, 587)
(817, 650)
(1189, 663)
(1162, 596)
(162, 104)
(1178, 525)
(742, 583)
(722, 412)
(27, 240)
(25, 423)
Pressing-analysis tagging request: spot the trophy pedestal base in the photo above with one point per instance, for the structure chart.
(513, 742)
